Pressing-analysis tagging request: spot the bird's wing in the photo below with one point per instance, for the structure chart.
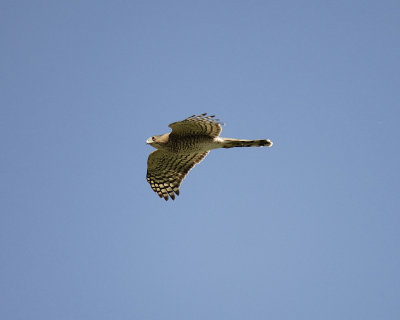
(165, 171)
(197, 125)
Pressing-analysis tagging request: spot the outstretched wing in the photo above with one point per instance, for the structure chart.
(197, 125)
(165, 171)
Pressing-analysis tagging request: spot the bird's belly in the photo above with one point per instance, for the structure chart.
(194, 145)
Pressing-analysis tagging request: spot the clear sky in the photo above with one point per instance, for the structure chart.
(307, 229)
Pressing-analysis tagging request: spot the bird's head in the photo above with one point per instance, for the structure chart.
(157, 141)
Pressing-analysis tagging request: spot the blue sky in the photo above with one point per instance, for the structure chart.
(307, 229)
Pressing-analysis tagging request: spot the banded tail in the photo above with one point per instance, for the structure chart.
(232, 143)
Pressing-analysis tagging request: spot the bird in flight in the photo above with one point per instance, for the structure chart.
(186, 145)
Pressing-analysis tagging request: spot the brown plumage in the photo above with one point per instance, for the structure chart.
(180, 150)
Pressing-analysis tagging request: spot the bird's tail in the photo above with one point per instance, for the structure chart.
(231, 143)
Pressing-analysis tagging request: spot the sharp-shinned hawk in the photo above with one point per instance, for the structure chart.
(180, 150)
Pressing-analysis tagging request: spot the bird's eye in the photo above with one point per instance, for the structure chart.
(152, 138)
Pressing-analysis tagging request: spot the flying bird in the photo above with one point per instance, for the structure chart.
(186, 145)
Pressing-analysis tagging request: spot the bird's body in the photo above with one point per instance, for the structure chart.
(186, 144)
(179, 151)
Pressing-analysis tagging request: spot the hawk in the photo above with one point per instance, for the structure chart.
(186, 145)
